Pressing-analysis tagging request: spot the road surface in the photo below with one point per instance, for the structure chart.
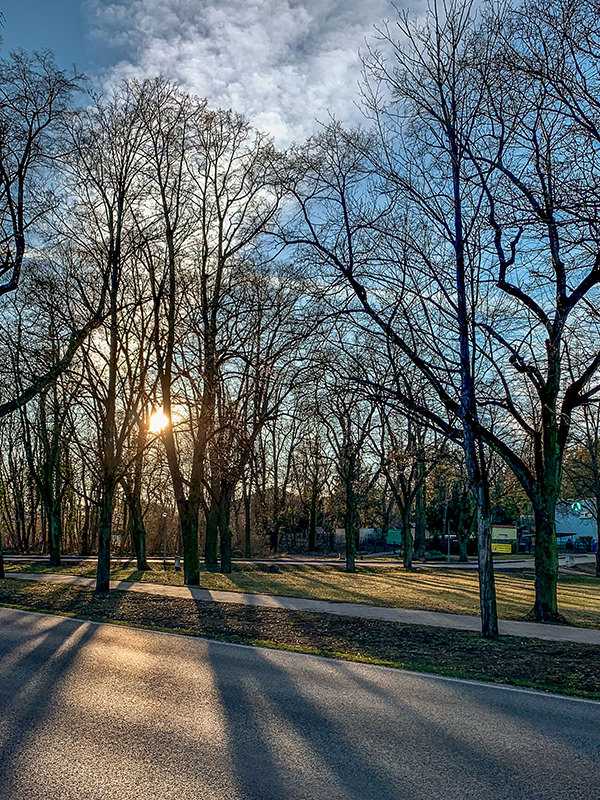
(100, 712)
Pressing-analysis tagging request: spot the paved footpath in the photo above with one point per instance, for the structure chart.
(529, 630)
(368, 559)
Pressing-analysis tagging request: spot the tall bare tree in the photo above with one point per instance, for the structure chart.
(106, 181)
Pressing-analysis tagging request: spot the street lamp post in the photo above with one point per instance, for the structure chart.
(164, 514)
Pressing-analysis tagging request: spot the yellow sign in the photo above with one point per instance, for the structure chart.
(501, 547)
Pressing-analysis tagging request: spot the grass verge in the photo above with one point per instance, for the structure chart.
(555, 666)
(430, 589)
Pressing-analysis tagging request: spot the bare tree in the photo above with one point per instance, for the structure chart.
(582, 467)
(106, 141)
(406, 462)
(35, 111)
(214, 196)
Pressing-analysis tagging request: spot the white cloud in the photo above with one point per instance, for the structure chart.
(283, 63)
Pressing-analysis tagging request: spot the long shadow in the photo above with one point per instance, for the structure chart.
(69, 599)
(263, 701)
(581, 732)
(284, 745)
(353, 594)
(304, 591)
(30, 686)
(392, 749)
(528, 727)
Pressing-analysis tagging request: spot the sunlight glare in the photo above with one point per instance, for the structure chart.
(158, 421)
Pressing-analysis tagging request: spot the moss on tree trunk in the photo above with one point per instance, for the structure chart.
(188, 520)
(545, 608)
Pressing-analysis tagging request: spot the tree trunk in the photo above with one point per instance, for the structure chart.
(104, 534)
(211, 547)
(247, 523)
(485, 564)
(94, 522)
(274, 539)
(44, 530)
(188, 521)
(463, 530)
(350, 528)
(474, 453)
(420, 510)
(225, 529)
(85, 531)
(20, 524)
(2, 575)
(545, 608)
(598, 536)
(137, 530)
(386, 517)
(312, 519)
(54, 521)
(350, 548)
(407, 541)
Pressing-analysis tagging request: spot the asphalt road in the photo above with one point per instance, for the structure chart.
(99, 712)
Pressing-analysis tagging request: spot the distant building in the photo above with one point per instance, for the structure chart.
(575, 525)
(504, 539)
(365, 536)
(394, 536)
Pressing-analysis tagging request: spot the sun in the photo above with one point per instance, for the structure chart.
(158, 421)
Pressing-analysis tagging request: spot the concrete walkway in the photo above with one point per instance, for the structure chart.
(529, 630)
(365, 560)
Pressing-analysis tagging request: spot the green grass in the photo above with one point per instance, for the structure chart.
(585, 569)
(556, 666)
(454, 559)
(452, 591)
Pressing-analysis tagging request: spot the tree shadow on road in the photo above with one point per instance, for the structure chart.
(285, 744)
(36, 654)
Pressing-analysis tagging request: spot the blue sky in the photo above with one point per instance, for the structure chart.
(283, 63)
(60, 26)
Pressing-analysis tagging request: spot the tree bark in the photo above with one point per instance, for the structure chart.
(55, 538)
(351, 528)
(545, 608)
(137, 530)
(474, 453)
(312, 518)
(420, 510)
(211, 546)
(407, 540)
(463, 539)
(485, 564)
(104, 534)
(247, 520)
(224, 528)
(188, 520)
(598, 536)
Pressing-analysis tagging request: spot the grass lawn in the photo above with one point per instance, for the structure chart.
(432, 589)
(556, 666)
(585, 569)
